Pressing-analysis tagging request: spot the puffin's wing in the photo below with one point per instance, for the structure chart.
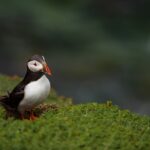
(17, 95)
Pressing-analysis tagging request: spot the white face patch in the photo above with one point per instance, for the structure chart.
(35, 66)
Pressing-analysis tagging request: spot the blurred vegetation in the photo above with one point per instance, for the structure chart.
(102, 45)
(86, 126)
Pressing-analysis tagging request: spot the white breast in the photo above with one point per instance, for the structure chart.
(34, 94)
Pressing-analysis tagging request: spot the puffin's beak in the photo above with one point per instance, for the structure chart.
(46, 69)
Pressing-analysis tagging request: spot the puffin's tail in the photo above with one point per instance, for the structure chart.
(4, 101)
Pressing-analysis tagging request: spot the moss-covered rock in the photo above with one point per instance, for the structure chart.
(86, 126)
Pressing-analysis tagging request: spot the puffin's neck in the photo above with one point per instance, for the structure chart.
(32, 76)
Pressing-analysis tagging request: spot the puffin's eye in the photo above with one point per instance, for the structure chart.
(35, 64)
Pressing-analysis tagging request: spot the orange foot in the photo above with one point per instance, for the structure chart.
(32, 116)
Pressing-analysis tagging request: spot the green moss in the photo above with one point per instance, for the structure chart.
(89, 126)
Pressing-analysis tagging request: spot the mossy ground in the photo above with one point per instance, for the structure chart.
(86, 126)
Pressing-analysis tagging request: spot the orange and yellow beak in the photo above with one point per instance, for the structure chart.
(47, 69)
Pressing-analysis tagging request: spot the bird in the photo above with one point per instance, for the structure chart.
(31, 91)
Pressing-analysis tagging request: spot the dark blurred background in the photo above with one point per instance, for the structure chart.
(98, 49)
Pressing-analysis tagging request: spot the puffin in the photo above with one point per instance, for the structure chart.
(31, 91)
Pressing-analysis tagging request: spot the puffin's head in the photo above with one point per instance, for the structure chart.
(38, 64)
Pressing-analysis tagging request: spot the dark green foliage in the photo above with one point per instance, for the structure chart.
(89, 126)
